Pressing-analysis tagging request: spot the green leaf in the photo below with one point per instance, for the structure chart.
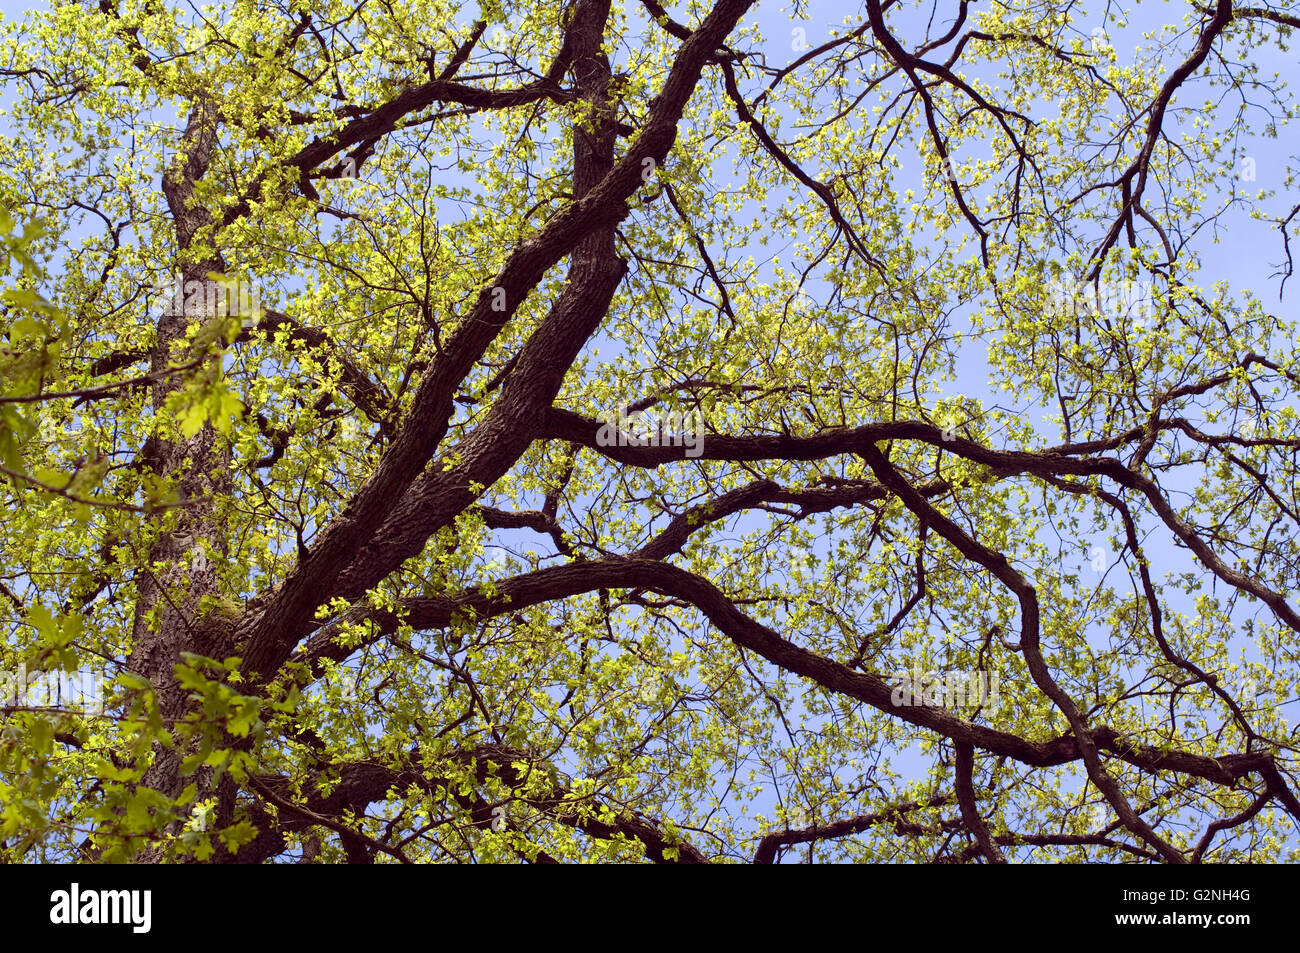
(135, 682)
(42, 736)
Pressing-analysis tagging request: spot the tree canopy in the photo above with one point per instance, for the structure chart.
(575, 430)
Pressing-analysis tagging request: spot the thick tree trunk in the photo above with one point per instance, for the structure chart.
(179, 587)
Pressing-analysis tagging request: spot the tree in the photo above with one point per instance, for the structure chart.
(547, 431)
